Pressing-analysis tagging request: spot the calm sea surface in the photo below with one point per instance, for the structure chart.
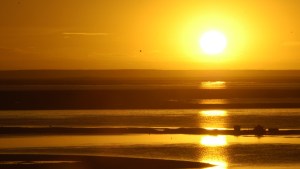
(241, 152)
(227, 152)
(223, 118)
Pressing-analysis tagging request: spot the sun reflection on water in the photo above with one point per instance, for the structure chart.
(213, 113)
(213, 141)
(213, 119)
(212, 101)
(214, 151)
(213, 85)
(219, 164)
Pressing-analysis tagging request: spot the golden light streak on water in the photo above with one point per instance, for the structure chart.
(213, 85)
(213, 113)
(213, 141)
(213, 101)
(219, 164)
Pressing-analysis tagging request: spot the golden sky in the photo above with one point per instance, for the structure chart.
(148, 34)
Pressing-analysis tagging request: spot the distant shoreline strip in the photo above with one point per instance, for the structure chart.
(118, 131)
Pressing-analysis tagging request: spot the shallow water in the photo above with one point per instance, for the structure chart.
(222, 118)
(227, 152)
(224, 151)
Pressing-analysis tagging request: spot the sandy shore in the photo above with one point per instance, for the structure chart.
(30, 161)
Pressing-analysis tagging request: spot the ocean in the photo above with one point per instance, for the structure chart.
(268, 99)
(225, 151)
(170, 118)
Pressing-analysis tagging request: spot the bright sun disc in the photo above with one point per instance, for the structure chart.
(213, 42)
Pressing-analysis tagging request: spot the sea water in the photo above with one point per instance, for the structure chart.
(226, 152)
(240, 152)
(203, 118)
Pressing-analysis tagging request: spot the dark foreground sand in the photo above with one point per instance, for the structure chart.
(34, 161)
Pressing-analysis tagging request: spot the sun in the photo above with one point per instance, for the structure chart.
(213, 42)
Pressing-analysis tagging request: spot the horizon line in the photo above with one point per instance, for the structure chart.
(4, 70)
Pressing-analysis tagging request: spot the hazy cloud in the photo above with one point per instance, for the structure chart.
(291, 43)
(10, 52)
(85, 33)
(10, 55)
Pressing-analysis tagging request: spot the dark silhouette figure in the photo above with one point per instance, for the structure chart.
(259, 130)
(273, 130)
(237, 129)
